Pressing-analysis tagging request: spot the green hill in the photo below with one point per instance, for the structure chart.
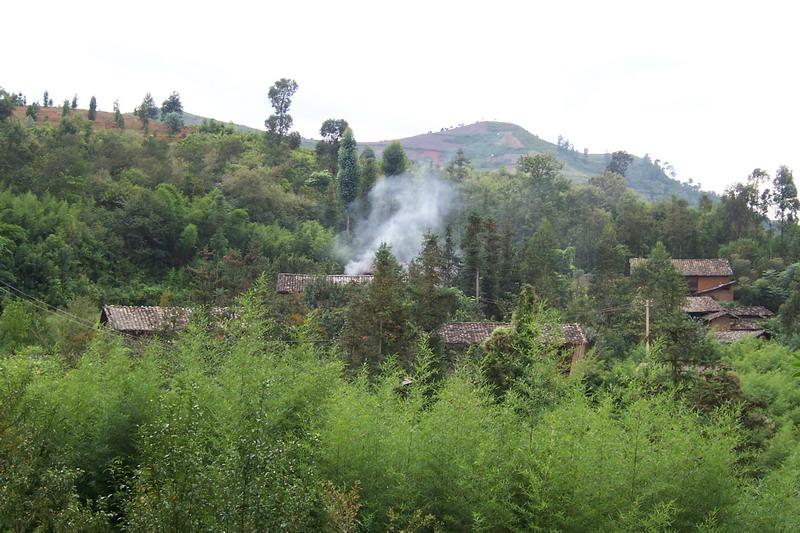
(491, 145)
(195, 120)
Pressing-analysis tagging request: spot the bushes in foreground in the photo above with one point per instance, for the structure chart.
(236, 431)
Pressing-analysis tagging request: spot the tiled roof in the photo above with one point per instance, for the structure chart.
(477, 332)
(746, 324)
(574, 334)
(752, 311)
(695, 267)
(713, 316)
(145, 318)
(469, 332)
(289, 283)
(745, 315)
(701, 305)
(734, 336)
(148, 318)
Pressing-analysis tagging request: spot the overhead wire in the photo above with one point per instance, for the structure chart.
(47, 305)
(44, 306)
(48, 308)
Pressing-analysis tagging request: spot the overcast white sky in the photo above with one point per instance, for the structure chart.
(711, 87)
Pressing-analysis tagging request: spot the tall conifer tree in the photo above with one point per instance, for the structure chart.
(472, 250)
(348, 172)
(369, 170)
(92, 108)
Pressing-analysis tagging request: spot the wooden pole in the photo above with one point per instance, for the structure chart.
(647, 326)
(477, 285)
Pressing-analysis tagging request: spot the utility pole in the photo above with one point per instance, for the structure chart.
(477, 285)
(647, 304)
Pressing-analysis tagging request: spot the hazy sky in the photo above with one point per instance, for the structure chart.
(712, 87)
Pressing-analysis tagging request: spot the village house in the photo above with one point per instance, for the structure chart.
(741, 321)
(730, 323)
(150, 319)
(296, 283)
(704, 277)
(461, 335)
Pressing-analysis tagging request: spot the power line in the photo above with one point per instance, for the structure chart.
(44, 306)
(47, 305)
(46, 309)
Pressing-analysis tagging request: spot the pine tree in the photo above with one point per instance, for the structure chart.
(348, 171)
(459, 167)
(369, 170)
(32, 111)
(378, 318)
(610, 253)
(172, 105)
(173, 121)
(432, 302)
(473, 255)
(450, 260)
(539, 263)
(609, 266)
(146, 110)
(394, 159)
(119, 120)
(92, 108)
(65, 108)
(46, 102)
(75, 102)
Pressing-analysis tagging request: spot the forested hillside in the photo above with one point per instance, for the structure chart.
(343, 407)
(494, 145)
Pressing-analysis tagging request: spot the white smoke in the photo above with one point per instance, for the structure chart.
(401, 209)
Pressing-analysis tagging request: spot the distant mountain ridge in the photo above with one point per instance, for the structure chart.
(492, 145)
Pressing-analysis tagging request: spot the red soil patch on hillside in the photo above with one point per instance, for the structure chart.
(103, 120)
(509, 140)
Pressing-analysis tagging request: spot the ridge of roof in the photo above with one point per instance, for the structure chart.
(701, 304)
(694, 267)
(477, 332)
(288, 282)
(737, 335)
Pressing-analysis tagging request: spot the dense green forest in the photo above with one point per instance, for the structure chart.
(339, 408)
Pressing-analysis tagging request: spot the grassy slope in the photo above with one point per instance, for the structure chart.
(499, 144)
(489, 145)
(104, 119)
(195, 120)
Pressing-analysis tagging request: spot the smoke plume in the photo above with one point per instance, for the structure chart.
(399, 211)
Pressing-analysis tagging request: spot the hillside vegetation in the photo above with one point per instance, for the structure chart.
(342, 407)
(492, 145)
(488, 145)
